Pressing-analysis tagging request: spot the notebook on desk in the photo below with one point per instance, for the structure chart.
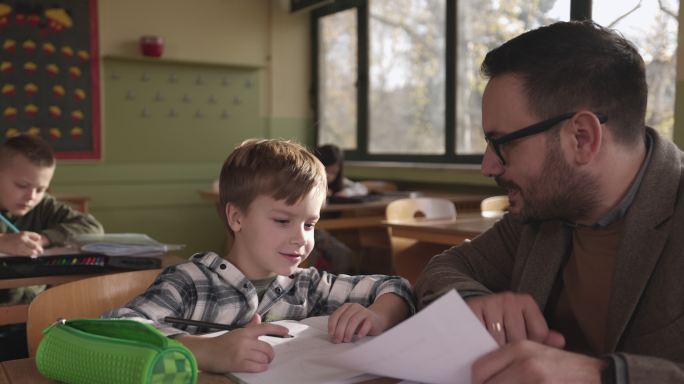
(72, 264)
(122, 244)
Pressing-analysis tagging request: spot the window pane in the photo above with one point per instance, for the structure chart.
(337, 79)
(407, 75)
(482, 26)
(653, 29)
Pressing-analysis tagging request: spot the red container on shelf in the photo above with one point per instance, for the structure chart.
(152, 46)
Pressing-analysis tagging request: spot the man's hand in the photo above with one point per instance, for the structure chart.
(236, 351)
(511, 317)
(24, 243)
(530, 362)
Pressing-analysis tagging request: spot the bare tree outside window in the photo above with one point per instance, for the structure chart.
(407, 76)
(652, 26)
(482, 26)
(337, 79)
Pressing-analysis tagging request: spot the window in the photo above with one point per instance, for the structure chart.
(652, 26)
(399, 80)
(407, 75)
(337, 78)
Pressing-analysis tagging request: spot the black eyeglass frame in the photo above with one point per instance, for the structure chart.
(530, 130)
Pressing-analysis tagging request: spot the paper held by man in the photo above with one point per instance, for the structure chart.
(437, 345)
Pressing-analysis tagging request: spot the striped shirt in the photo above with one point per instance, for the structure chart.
(209, 288)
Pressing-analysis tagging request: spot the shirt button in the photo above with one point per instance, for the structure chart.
(278, 290)
(222, 266)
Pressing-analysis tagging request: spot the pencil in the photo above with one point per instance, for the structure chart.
(206, 324)
(9, 224)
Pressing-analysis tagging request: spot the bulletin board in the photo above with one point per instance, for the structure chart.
(49, 74)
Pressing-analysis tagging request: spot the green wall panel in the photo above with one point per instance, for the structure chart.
(167, 127)
(181, 112)
(199, 228)
(297, 129)
(161, 200)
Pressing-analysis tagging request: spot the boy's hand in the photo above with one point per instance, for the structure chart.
(236, 351)
(24, 243)
(348, 320)
(351, 320)
(44, 241)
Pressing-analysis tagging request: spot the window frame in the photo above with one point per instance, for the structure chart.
(579, 10)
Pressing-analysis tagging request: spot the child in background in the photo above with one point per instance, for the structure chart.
(36, 219)
(332, 158)
(271, 192)
(330, 254)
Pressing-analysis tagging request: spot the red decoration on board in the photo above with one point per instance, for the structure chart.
(152, 46)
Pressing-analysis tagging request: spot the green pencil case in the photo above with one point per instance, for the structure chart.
(92, 351)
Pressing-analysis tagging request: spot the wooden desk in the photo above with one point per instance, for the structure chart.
(415, 242)
(167, 260)
(24, 371)
(441, 232)
(15, 314)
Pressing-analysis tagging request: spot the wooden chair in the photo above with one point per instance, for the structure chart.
(494, 206)
(83, 298)
(410, 256)
(78, 202)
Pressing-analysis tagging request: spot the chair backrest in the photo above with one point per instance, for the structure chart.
(78, 202)
(409, 256)
(429, 208)
(83, 298)
(494, 206)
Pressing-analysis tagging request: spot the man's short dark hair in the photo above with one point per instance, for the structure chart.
(566, 66)
(35, 149)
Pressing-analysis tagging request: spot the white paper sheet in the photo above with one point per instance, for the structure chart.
(437, 345)
(293, 362)
(122, 244)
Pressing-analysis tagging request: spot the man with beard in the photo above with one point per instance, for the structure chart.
(581, 281)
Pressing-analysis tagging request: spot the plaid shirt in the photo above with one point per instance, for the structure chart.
(209, 288)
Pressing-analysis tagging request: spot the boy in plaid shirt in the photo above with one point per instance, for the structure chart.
(272, 192)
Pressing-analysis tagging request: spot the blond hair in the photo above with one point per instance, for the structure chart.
(281, 169)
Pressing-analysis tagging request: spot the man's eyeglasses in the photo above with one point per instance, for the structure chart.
(498, 142)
